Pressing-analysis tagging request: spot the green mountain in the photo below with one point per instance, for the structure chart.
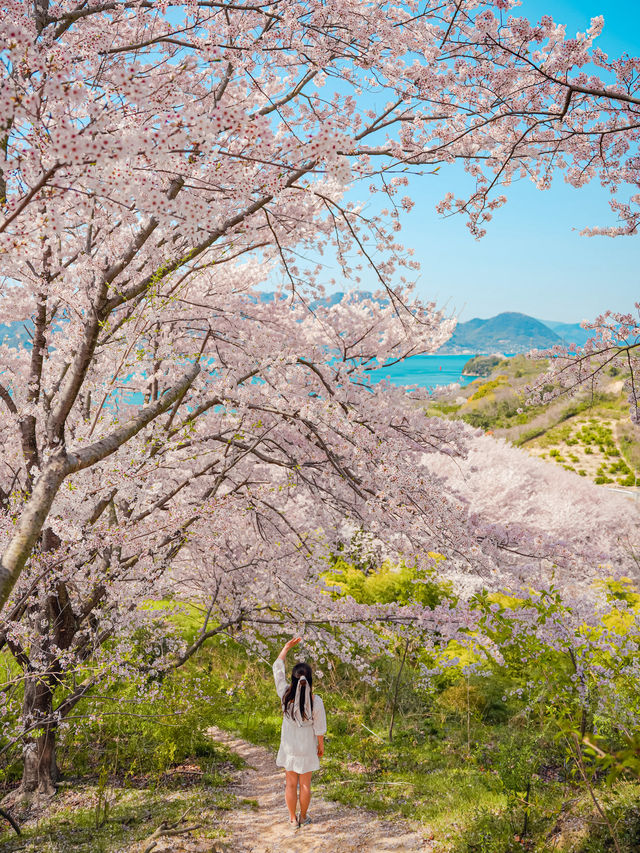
(509, 332)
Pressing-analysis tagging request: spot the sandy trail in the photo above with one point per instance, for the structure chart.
(335, 828)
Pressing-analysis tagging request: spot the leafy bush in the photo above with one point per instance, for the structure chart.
(404, 584)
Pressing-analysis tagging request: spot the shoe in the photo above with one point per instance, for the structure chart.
(305, 821)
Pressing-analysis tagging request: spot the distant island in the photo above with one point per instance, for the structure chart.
(510, 332)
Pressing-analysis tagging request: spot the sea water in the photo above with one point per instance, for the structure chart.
(428, 371)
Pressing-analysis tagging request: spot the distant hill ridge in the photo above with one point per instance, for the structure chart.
(508, 332)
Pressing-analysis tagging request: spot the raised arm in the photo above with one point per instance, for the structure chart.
(278, 667)
(288, 645)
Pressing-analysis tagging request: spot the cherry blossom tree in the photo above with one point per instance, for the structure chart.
(167, 424)
(140, 153)
(242, 493)
(519, 497)
(613, 350)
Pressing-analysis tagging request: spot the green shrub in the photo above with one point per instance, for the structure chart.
(488, 387)
(629, 480)
(404, 584)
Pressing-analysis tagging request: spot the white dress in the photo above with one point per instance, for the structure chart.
(298, 743)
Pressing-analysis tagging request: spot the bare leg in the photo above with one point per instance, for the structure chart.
(291, 793)
(305, 793)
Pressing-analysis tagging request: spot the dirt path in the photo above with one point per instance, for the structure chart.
(335, 828)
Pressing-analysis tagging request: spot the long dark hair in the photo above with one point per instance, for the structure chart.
(290, 693)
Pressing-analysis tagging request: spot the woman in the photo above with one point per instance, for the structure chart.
(302, 737)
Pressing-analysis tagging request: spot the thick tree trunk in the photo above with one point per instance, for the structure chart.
(40, 772)
(30, 523)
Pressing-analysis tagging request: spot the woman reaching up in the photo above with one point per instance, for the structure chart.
(302, 737)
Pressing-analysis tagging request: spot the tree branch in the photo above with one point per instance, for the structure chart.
(27, 198)
(106, 446)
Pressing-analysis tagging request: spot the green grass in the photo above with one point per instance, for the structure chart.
(455, 763)
(431, 771)
(95, 818)
(497, 403)
(426, 772)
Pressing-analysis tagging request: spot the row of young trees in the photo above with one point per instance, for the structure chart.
(169, 428)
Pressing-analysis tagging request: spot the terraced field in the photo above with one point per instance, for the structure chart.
(588, 446)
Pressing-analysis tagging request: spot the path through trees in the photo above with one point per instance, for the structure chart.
(335, 827)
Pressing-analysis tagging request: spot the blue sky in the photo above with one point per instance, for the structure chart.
(533, 259)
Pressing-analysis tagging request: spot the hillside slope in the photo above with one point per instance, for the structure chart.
(591, 435)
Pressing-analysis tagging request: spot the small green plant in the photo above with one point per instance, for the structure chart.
(102, 802)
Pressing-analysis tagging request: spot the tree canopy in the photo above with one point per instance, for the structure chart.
(168, 424)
